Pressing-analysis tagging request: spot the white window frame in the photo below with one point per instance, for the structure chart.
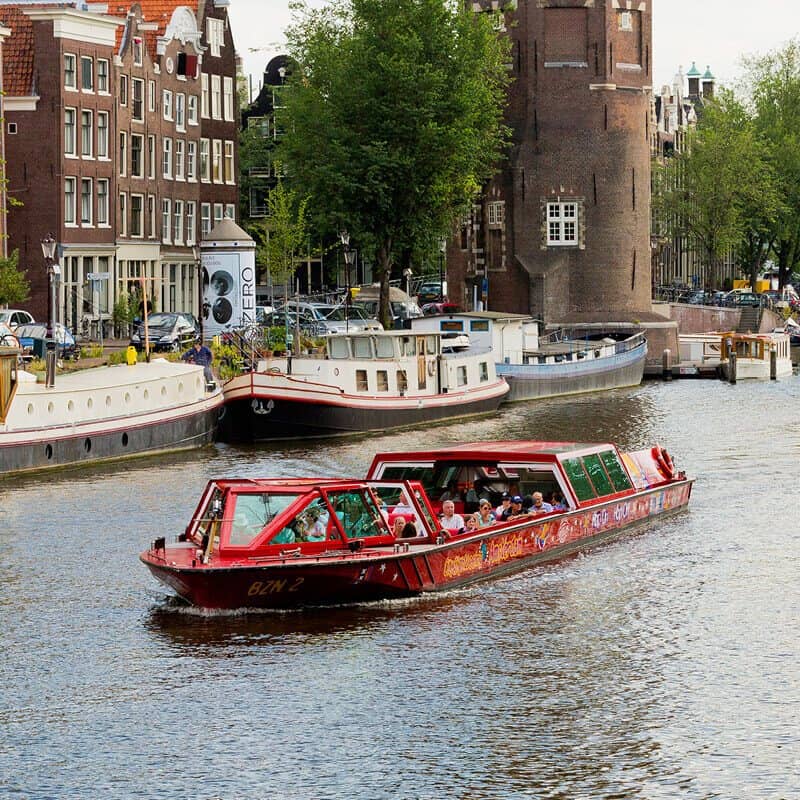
(166, 220)
(103, 138)
(227, 163)
(205, 219)
(103, 76)
(140, 138)
(205, 103)
(215, 34)
(191, 110)
(191, 161)
(216, 97)
(191, 222)
(152, 156)
(70, 201)
(205, 160)
(166, 157)
(151, 96)
(496, 213)
(70, 66)
(87, 220)
(123, 153)
(562, 223)
(227, 99)
(123, 90)
(87, 142)
(180, 153)
(90, 61)
(180, 111)
(123, 214)
(137, 83)
(219, 213)
(73, 127)
(166, 104)
(102, 202)
(216, 161)
(151, 216)
(177, 222)
(230, 211)
(139, 235)
(138, 50)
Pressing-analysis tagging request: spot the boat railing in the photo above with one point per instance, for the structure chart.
(570, 344)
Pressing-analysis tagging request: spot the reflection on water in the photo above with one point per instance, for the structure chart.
(659, 666)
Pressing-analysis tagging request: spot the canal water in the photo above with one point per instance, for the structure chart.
(663, 665)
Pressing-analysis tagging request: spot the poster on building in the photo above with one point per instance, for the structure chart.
(228, 290)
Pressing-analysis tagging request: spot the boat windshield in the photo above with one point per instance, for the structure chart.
(358, 513)
(253, 512)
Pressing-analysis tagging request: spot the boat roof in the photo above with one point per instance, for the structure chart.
(496, 450)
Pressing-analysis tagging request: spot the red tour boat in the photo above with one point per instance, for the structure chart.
(283, 542)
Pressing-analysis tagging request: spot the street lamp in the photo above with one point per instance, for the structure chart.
(49, 251)
(442, 249)
(349, 258)
(199, 267)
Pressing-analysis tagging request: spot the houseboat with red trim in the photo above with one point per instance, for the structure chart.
(285, 542)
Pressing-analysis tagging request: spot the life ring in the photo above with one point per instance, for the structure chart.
(664, 461)
(431, 368)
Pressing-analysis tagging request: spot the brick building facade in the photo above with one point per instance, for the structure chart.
(563, 231)
(124, 147)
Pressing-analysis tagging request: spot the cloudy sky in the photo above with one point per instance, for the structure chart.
(710, 32)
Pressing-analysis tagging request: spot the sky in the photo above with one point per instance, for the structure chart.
(713, 33)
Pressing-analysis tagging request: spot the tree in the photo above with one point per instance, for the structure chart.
(394, 119)
(724, 188)
(14, 286)
(774, 84)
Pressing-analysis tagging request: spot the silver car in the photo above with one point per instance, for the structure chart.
(334, 319)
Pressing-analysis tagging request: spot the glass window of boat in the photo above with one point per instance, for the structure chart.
(408, 346)
(578, 478)
(362, 347)
(402, 381)
(615, 470)
(312, 524)
(430, 345)
(385, 346)
(484, 371)
(358, 513)
(383, 380)
(602, 483)
(417, 472)
(252, 513)
(461, 375)
(337, 347)
(361, 380)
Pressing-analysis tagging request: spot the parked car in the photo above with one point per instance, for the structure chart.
(401, 305)
(737, 299)
(431, 309)
(33, 337)
(326, 318)
(431, 292)
(167, 330)
(15, 316)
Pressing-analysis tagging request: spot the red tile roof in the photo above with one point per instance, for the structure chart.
(17, 52)
(157, 11)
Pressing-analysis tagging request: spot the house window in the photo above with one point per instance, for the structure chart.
(166, 160)
(625, 21)
(230, 211)
(123, 90)
(123, 153)
(205, 162)
(87, 74)
(205, 219)
(218, 213)
(228, 162)
(179, 159)
(191, 221)
(151, 156)
(227, 99)
(151, 96)
(496, 213)
(216, 161)
(137, 90)
(102, 75)
(180, 111)
(102, 201)
(216, 97)
(192, 109)
(123, 214)
(86, 201)
(215, 33)
(137, 157)
(177, 232)
(69, 131)
(166, 220)
(562, 224)
(69, 201)
(166, 103)
(137, 215)
(137, 51)
(191, 161)
(102, 134)
(204, 95)
(151, 215)
(70, 78)
(87, 131)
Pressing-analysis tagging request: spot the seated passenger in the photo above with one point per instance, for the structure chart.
(449, 520)
(558, 502)
(451, 493)
(472, 523)
(515, 509)
(505, 504)
(398, 526)
(409, 531)
(539, 506)
(485, 515)
(311, 526)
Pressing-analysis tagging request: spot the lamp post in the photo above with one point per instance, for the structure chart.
(49, 251)
(349, 257)
(442, 249)
(199, 267)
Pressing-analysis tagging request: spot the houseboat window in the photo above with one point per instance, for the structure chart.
(361, 380)
(337, 347)
(615, 470)
(252, 513)
(362, 347)
(461, 376)
(383, 380)
(385, 346)
(430, 345)
(578, 478)
(409, 346)
(484, 370)
(402, 381)
(600, 479)
(310, 525)
(358, 513)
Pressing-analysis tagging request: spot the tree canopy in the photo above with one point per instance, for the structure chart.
(14, 286)
(394, 119)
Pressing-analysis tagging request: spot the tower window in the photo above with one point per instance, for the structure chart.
(562, 224)
(496, 212)
(625, 21)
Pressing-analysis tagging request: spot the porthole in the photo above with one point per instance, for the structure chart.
(70, 406)
(180, 387)
(146, 394)
(50, 408)
(89, 403)
(127, 397)
(124, 439)
(87, 445)
(163, 391)
(30, 408)
(108, 401)
(48, 451)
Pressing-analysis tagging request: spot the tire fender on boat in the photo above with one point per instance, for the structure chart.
(664, 461)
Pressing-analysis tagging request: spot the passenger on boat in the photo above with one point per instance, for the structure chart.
(505, 504)
(398, 526)
(485, 515)
(199, 354)
(409, 531)
(451, 493)
(558, 502)
(515, 509)
(449, 520)
(539, 506)
(472, 522)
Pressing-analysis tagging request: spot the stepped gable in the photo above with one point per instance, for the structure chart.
(157, 12)
(18, 51)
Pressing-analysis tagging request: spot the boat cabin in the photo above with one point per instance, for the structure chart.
(8, 378)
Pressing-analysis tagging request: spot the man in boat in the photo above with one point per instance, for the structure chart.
(514, 509)
(539, 506)
(505, 504)
(449, 520)
(199, 354)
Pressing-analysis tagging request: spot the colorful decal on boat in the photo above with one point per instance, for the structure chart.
(488, 553)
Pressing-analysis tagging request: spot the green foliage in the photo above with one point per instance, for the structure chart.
(125, 310)
(91, 351)
(14, 286)
(395, 119)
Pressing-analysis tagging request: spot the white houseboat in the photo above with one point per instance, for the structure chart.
(755, 355)
(362, 382)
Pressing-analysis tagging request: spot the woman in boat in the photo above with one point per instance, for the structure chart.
(472, 523)
(485, 515)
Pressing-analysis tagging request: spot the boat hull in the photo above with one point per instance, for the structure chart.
(255, 412)
(413, 569)
(532, 381)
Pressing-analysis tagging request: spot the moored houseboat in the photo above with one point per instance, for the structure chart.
(755, 355)
(362, 381)
(102, 413)
(277, 543)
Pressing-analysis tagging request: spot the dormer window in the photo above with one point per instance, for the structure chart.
(215, 32)
(137, 51)
(625, 21)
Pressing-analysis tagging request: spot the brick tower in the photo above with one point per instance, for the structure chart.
(563, 232)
